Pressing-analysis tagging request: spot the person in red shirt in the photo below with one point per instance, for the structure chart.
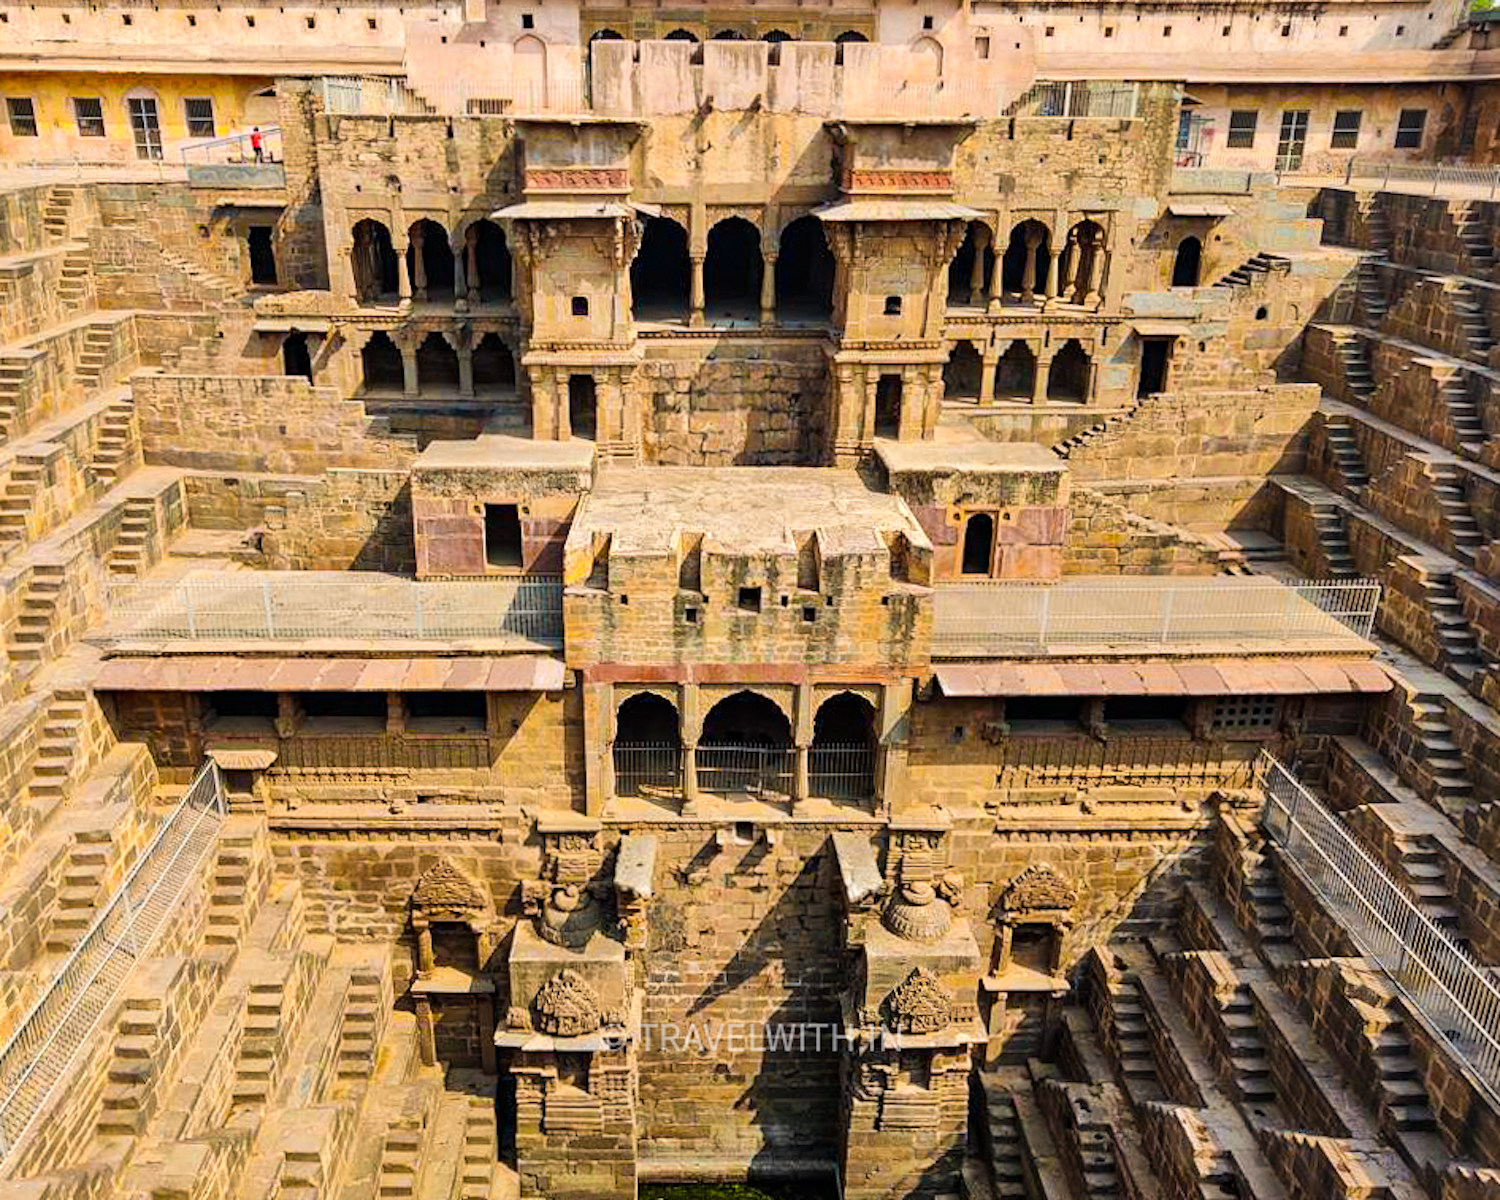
(257, 144)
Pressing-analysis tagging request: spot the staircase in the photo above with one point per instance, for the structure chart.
(19, 498)
(481, 1151)
(1333, 539)
(1403, 1097)
(1461, 655)
(1371, 292)
(1273, 920)
(400, 1159)
(1133, 1043)
(1473, 228)
(1453, 790)
(1248, 1060)
(57, 212)
(1354, 358)
(34, 628)
(1083, 437)
(1453, 504)
(82, 888)
(1422, 871)
(1463, 414)
(1249, 271)
(73, 288)
(1101, 1174)
(128, 555)
(112, 450)
(1377, 228)
(126, 1104)
(62, 728)
(11, 375)
(94, 357)
(358, 1034)
(1469, 308)
(1339, 432)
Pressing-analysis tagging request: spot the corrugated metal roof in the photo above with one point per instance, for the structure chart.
(1212, 677)
(212, 673)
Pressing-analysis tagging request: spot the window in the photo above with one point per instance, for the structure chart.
(926, 22)
(1286, 31)
(250, 21)
(1224, 32)
(1410, 127)
(200, 117)
(1345, 129)
(88, 111)
(1166, 31)
(1242, 124)
(1468, 132)
(127, 19)
(749, 599)
(372, 23)
(1049, 32)
(240, 706)
(893, 306)
(1343, 31)
(312, 22)
(22, 115)
(580, 306)
(1109, 31)
(192, 21)
(502, 535)
(1144, 712)
(1400, 29)
(1244, 714)
(1040, 710)
(528, 21)
(343, 712)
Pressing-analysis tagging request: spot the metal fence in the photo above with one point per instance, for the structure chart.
(1477, 181)
(294, 605)
(1450, 992)
(374, 95)
(41, 1051)
(758, 770)
(1077, 98)
(648, 769)
(236, 148)
(999, 617)
(837, 772)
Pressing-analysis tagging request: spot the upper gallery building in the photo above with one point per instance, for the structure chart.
(892, 602)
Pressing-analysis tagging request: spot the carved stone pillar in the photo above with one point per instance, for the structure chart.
(466, 371)
(768, 291)
(1032, 239)
(695, 318)
(419, 262)
(988, 365)
(425, 961)
(426, 1034)
(460, 291)
(997, 281)
(976, 272)
(1050, 290)
(410, 383)
(403, 279)
(1071, 268)
(1039, 384)
(1090, 284)
(471, 254)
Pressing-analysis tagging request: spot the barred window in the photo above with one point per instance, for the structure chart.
(1346, 125)
(1242, 129)
(1245, 714)
(88, 111)
(1410, 127)
(22, 115)
(200, 118)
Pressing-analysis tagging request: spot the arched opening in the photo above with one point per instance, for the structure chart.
(374, 261)
(381, 364)
(804, 273)
(429, 261)
(296, 357)
(1187, 266)
(661, 274)
(970, 270)
(963, 373)
(648, 747)
(1068, 377)
(529, 62)
(681, 35)
(437, 366)
(583, 406)
(777, 36)
(928, 60)
(728, 35)
(746, 747)
(1082, 261)
(494, 366)
(489, 264)
(888, 406)
(1015, 373)
(606, 35)
(1024, 267)
(979, 544)
(841, 761)
(732, 271)
(849, 37)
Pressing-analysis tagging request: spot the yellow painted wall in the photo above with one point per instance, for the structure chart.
(57, 130)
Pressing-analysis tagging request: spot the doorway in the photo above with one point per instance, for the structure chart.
(1156, 354)
(262, 256)
(296, 356)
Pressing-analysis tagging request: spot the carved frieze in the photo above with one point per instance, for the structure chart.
(445, 891)
(919, 1004)
(578, 179)
(1039, 888)
(566, 1006)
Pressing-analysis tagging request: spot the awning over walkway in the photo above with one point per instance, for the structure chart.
(213, 673)
(1209, 677)
(1184, 208)
(891, 209)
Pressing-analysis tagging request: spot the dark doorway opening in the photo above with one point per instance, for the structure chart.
(374, 261)
(262, 255)
(296, 357)
(502, 535)
(1156, 353)
(492, 263)
(1188, 265)
(494, 366)
(437, 365)
(1068, 377)
(805, 272)
(1015, 278)
(382, 364)
(888, 406)
(732, 272)
(979, 544)
(582, 406)
(963, 288)
(1015, 373)
(962, 373)
(661, 274)
(435, 280)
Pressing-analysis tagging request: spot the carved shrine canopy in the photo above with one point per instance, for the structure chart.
(1040, 888)
(447, 894)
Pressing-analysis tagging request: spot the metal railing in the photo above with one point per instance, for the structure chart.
(294, 605)
(40, 1052)
(1432, 178)
(758, 770)
(1077, 98)
(648, 769)
(1000, 617)
(837, 772)
(236, 148)
(1446, 988)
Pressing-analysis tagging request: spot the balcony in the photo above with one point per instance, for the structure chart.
(272, 607)
(1085, 615)
(834, 772)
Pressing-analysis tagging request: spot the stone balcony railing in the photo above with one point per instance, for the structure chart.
(997, 618)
